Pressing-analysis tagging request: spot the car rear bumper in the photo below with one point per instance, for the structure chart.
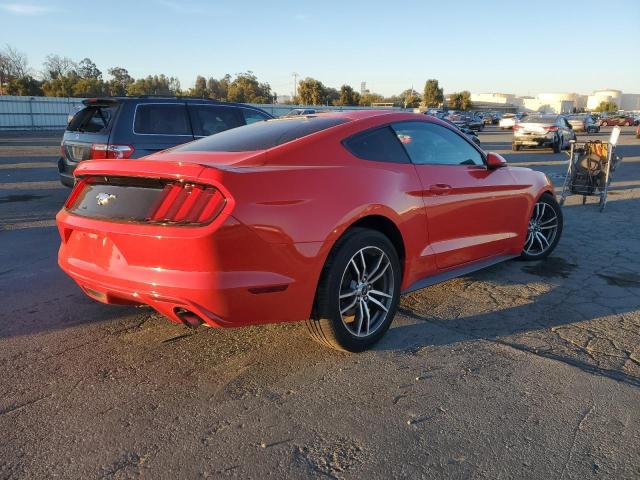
(66, 169)
(533, 140)
(225, 275)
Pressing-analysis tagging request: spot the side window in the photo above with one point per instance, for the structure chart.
(428, 143)
(161, 119)
(380, 144)
(209, 120)
(253, 116)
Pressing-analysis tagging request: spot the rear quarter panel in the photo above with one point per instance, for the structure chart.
(312, 194)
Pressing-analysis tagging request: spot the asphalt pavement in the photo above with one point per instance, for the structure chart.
(524, 370)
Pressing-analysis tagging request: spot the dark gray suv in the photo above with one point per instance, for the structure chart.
(132, 127)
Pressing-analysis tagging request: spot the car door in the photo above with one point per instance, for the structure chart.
(469, 209)
(209, 119)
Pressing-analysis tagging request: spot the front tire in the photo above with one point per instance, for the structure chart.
(358, 293)
(544, 230)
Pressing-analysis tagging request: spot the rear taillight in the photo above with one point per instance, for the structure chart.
(77, 190)
(517, 127)
(552, 128)
(187, 203)
(101, 151)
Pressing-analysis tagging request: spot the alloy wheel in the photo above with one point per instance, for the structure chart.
(542, 230)
(366, 291)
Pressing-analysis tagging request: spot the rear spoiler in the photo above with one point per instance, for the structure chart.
(100, 102)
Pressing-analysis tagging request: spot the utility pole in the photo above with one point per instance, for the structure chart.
(295, 84)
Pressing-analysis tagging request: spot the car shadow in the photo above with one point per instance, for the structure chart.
(583, 288)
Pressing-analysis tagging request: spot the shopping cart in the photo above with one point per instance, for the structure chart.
(590, 169)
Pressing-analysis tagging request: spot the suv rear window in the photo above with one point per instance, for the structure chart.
(161, 119)
(261, 135)
(92, 119)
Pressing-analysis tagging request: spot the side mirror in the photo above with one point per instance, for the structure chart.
(495, 161)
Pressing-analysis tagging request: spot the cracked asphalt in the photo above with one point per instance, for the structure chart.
(524, 370)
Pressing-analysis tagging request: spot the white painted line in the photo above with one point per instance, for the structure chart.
(25, 225)
(14, 166)
(31, 185)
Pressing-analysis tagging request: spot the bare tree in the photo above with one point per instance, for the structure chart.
(13, 65)
(55, 66)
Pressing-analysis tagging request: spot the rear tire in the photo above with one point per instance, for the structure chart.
(342, 323)
(515, 147)
(545, 229)
(557, 145)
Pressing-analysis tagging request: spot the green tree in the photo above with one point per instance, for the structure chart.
(200, 88)
(609, 107)
(408, 99)
(119, 82)
(311, 92)
(27, 86)
(331, 96)
(245, 88)
(347, 96)
(61, 86)
(460, 100)
(155, 85)
(368, 98)
(433, 94)
(88, 69)
(89, 87)
(219, 89)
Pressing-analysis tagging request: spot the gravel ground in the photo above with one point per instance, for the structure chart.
(524, 370)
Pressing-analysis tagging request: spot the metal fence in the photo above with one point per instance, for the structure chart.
(51, 113)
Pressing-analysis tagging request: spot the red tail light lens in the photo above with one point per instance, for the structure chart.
(187, 203)
(552, 128)
(101, 151)
(517, 127)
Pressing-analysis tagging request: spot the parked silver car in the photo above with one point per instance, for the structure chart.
(543, 131)
(583, 123)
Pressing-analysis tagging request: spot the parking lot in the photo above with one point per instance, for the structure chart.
(524, 370)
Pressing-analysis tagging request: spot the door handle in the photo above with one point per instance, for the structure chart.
(440, 189)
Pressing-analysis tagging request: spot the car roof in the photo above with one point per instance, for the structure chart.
(161, 99)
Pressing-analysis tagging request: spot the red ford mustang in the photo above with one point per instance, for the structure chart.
(328, 218)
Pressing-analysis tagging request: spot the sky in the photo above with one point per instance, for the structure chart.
(516, 46)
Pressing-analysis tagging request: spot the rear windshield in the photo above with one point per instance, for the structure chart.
(261, 135)
(92, 119)
(540, 119)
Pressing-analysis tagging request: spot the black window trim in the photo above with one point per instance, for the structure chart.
(460, 134)
(135, 113)
(345, 141)
(408, 157)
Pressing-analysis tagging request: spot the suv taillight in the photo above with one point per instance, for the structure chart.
(187, 203)
(552, 128)
(102, 150)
